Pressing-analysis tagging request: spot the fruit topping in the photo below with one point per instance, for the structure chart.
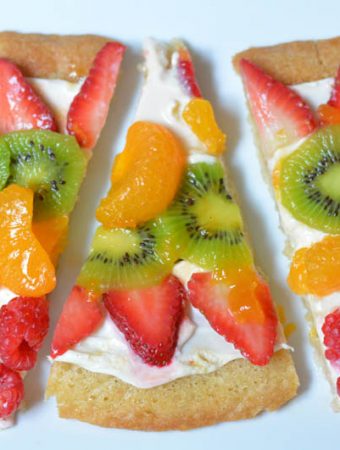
(331, 331)
(330, 113)
(199, 115)
(23, 326)
(281, 115)
(149, 318)
(50, 164)
(315, 270)
(52, 234)
(186, 70)
(239, 307)
(335, 95)
(204, 222)
(123, 258)
(310, 181)
(89, 109)
(11, 391)
(21, 107)
(145, 177)
(338, 386)
(25, 267)
(81, 315)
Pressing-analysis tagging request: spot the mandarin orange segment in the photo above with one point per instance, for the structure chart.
(316, 269)
(145, 177)
(52, 234)
(25, 267)
(199, 115)
(246, 293)
(329, 115)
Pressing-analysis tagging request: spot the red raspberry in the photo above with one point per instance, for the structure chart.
(331, 331)
(23, 325)
(11, 391)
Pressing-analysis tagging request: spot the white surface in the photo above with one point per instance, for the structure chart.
(214, 32)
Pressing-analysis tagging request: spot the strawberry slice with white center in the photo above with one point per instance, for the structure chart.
(89, 109)
(149, 318)
(21, 107)
(282, 117)
(186, 71)
(82, 314)
(335, 95)
(240, 310)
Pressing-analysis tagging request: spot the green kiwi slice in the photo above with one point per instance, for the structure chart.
(51, 164)
(205, 222)
(122, 258)
(310, 181)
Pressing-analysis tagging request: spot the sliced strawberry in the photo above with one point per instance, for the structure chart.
(281, 115)
(21, 107)
(244, 315)
(335, 95)
(149, 318)
(90, 107)
(186, 71)
(81, 315)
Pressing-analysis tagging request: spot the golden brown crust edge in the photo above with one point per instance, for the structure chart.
(51, 56)
(238, 390)
(296, 62)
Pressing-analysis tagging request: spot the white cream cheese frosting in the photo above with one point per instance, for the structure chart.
(200, 349)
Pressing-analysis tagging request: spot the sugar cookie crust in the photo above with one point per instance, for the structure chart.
(238, 390)
(296, 62)
(51, 56)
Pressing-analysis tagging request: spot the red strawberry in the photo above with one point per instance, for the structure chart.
(242, 313)
(187, 72)
(149, 318)
(335, 95)
(81, 315)
(21, 107)
(281, 115)
(90, 107)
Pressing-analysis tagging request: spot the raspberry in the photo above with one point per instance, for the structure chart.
(331, 331)
(23, 325)
(11, 391)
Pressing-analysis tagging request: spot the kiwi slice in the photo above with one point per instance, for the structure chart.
(122, 258)
(51, 164)
(310, 181)
(205, 222)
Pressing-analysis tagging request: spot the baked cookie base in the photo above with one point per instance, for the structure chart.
(294, 63)
(238, 390)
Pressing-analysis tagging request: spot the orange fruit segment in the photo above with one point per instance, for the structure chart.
(25, 267)
(329, 114)
(52, 234)
(199, 115)
(316, 269)
(145, 177)
(246, 293)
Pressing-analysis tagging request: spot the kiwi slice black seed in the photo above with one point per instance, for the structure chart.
(51, 164)
(204, 220)
(310, 181)
(127, 258)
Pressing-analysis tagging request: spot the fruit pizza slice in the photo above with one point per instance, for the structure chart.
(170, 325)
(55, 93)
(300, 147)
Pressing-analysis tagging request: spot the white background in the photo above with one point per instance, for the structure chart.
(214, 31)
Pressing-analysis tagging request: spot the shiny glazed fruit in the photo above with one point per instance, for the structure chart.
(329, 114)
(25, 267)
(315, 270)
(52, 234)
(199, 115)
(145, 177)
(11, 391)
